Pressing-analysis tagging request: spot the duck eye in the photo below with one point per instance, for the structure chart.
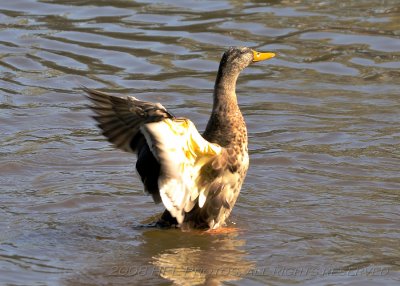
(258, 54)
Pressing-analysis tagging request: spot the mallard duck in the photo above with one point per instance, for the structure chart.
(197, 177)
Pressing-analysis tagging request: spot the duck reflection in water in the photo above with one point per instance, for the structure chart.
(200, 259)
(190, 258)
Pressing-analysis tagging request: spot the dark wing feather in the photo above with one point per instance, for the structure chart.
(121, 118)
(149, 171)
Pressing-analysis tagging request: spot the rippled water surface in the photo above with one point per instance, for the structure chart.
(320, 205)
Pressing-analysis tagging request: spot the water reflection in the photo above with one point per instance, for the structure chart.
(201, 259)
(190, 258)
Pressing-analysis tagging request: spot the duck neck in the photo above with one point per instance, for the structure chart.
(225, 99)
(226, 125)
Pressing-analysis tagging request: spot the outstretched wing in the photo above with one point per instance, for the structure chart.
(121, 118)
(180, 151)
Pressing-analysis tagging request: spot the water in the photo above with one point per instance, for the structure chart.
(320, 205)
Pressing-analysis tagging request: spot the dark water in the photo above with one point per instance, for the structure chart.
(320, 205)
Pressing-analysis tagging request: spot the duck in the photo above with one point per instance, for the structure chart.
(197, 177)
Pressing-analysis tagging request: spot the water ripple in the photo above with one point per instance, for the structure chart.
(323, 122)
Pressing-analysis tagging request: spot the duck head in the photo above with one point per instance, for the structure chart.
(235, 59)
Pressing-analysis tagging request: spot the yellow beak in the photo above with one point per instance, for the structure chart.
(257, 56)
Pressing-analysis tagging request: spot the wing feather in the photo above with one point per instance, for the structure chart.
(121, 118)
(181, 152)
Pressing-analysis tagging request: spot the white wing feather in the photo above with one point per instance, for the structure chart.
(181, 152)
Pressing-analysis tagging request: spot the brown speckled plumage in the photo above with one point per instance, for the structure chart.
(198, 178)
